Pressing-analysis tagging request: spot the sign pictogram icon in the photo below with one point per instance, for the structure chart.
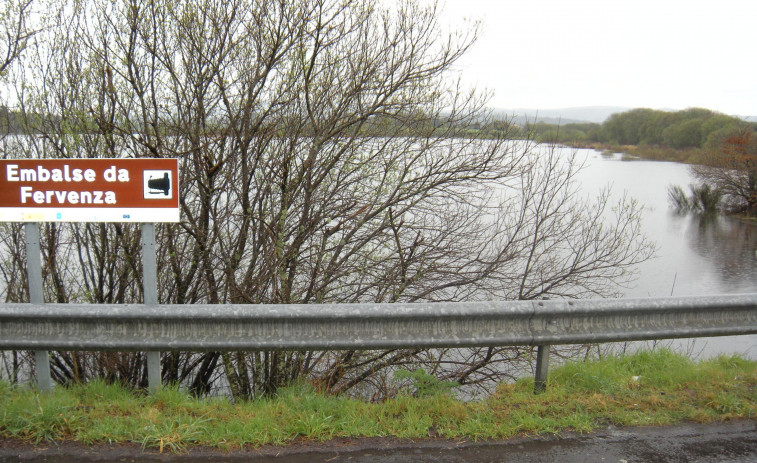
(157, 184)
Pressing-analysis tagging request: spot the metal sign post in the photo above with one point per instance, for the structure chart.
(150, 291)
(37, 296)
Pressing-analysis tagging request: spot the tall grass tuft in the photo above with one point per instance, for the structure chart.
(703, 199)
(679, 199)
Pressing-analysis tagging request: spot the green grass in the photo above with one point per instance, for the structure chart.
(648, 388)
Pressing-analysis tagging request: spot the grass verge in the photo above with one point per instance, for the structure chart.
(648, 388)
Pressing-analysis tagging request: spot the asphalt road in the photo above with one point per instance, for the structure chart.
(722, 442)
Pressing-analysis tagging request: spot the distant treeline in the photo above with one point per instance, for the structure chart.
(10, 121)
(689, 128)
(695, 128)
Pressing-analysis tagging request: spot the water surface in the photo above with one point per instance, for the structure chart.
(697, 255)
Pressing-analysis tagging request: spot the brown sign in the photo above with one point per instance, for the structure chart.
(89, 190)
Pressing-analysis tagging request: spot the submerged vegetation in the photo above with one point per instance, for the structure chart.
(702, 198)
(647, 388)
(728, 183)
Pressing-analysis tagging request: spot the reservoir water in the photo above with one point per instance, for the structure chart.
(696, 255)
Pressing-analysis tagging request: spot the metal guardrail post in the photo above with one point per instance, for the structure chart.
(37, 296)
(542, 369)
(150, 290)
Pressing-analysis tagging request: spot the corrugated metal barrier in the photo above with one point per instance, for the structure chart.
(371, 326)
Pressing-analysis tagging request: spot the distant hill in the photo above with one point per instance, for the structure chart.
(596, 114)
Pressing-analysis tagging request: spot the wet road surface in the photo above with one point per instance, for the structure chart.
(721, 442)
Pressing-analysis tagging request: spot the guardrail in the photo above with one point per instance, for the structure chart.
(372, 326)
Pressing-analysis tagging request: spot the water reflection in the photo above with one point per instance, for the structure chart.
(728, 244)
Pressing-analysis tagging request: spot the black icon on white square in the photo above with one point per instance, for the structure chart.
(157, 184)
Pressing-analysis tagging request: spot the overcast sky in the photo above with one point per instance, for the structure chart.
(662, 54)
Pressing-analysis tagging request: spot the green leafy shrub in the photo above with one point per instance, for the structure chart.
(418, 383)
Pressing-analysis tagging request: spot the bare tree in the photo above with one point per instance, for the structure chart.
(732, 171)
(320, 162)
(15, 29)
